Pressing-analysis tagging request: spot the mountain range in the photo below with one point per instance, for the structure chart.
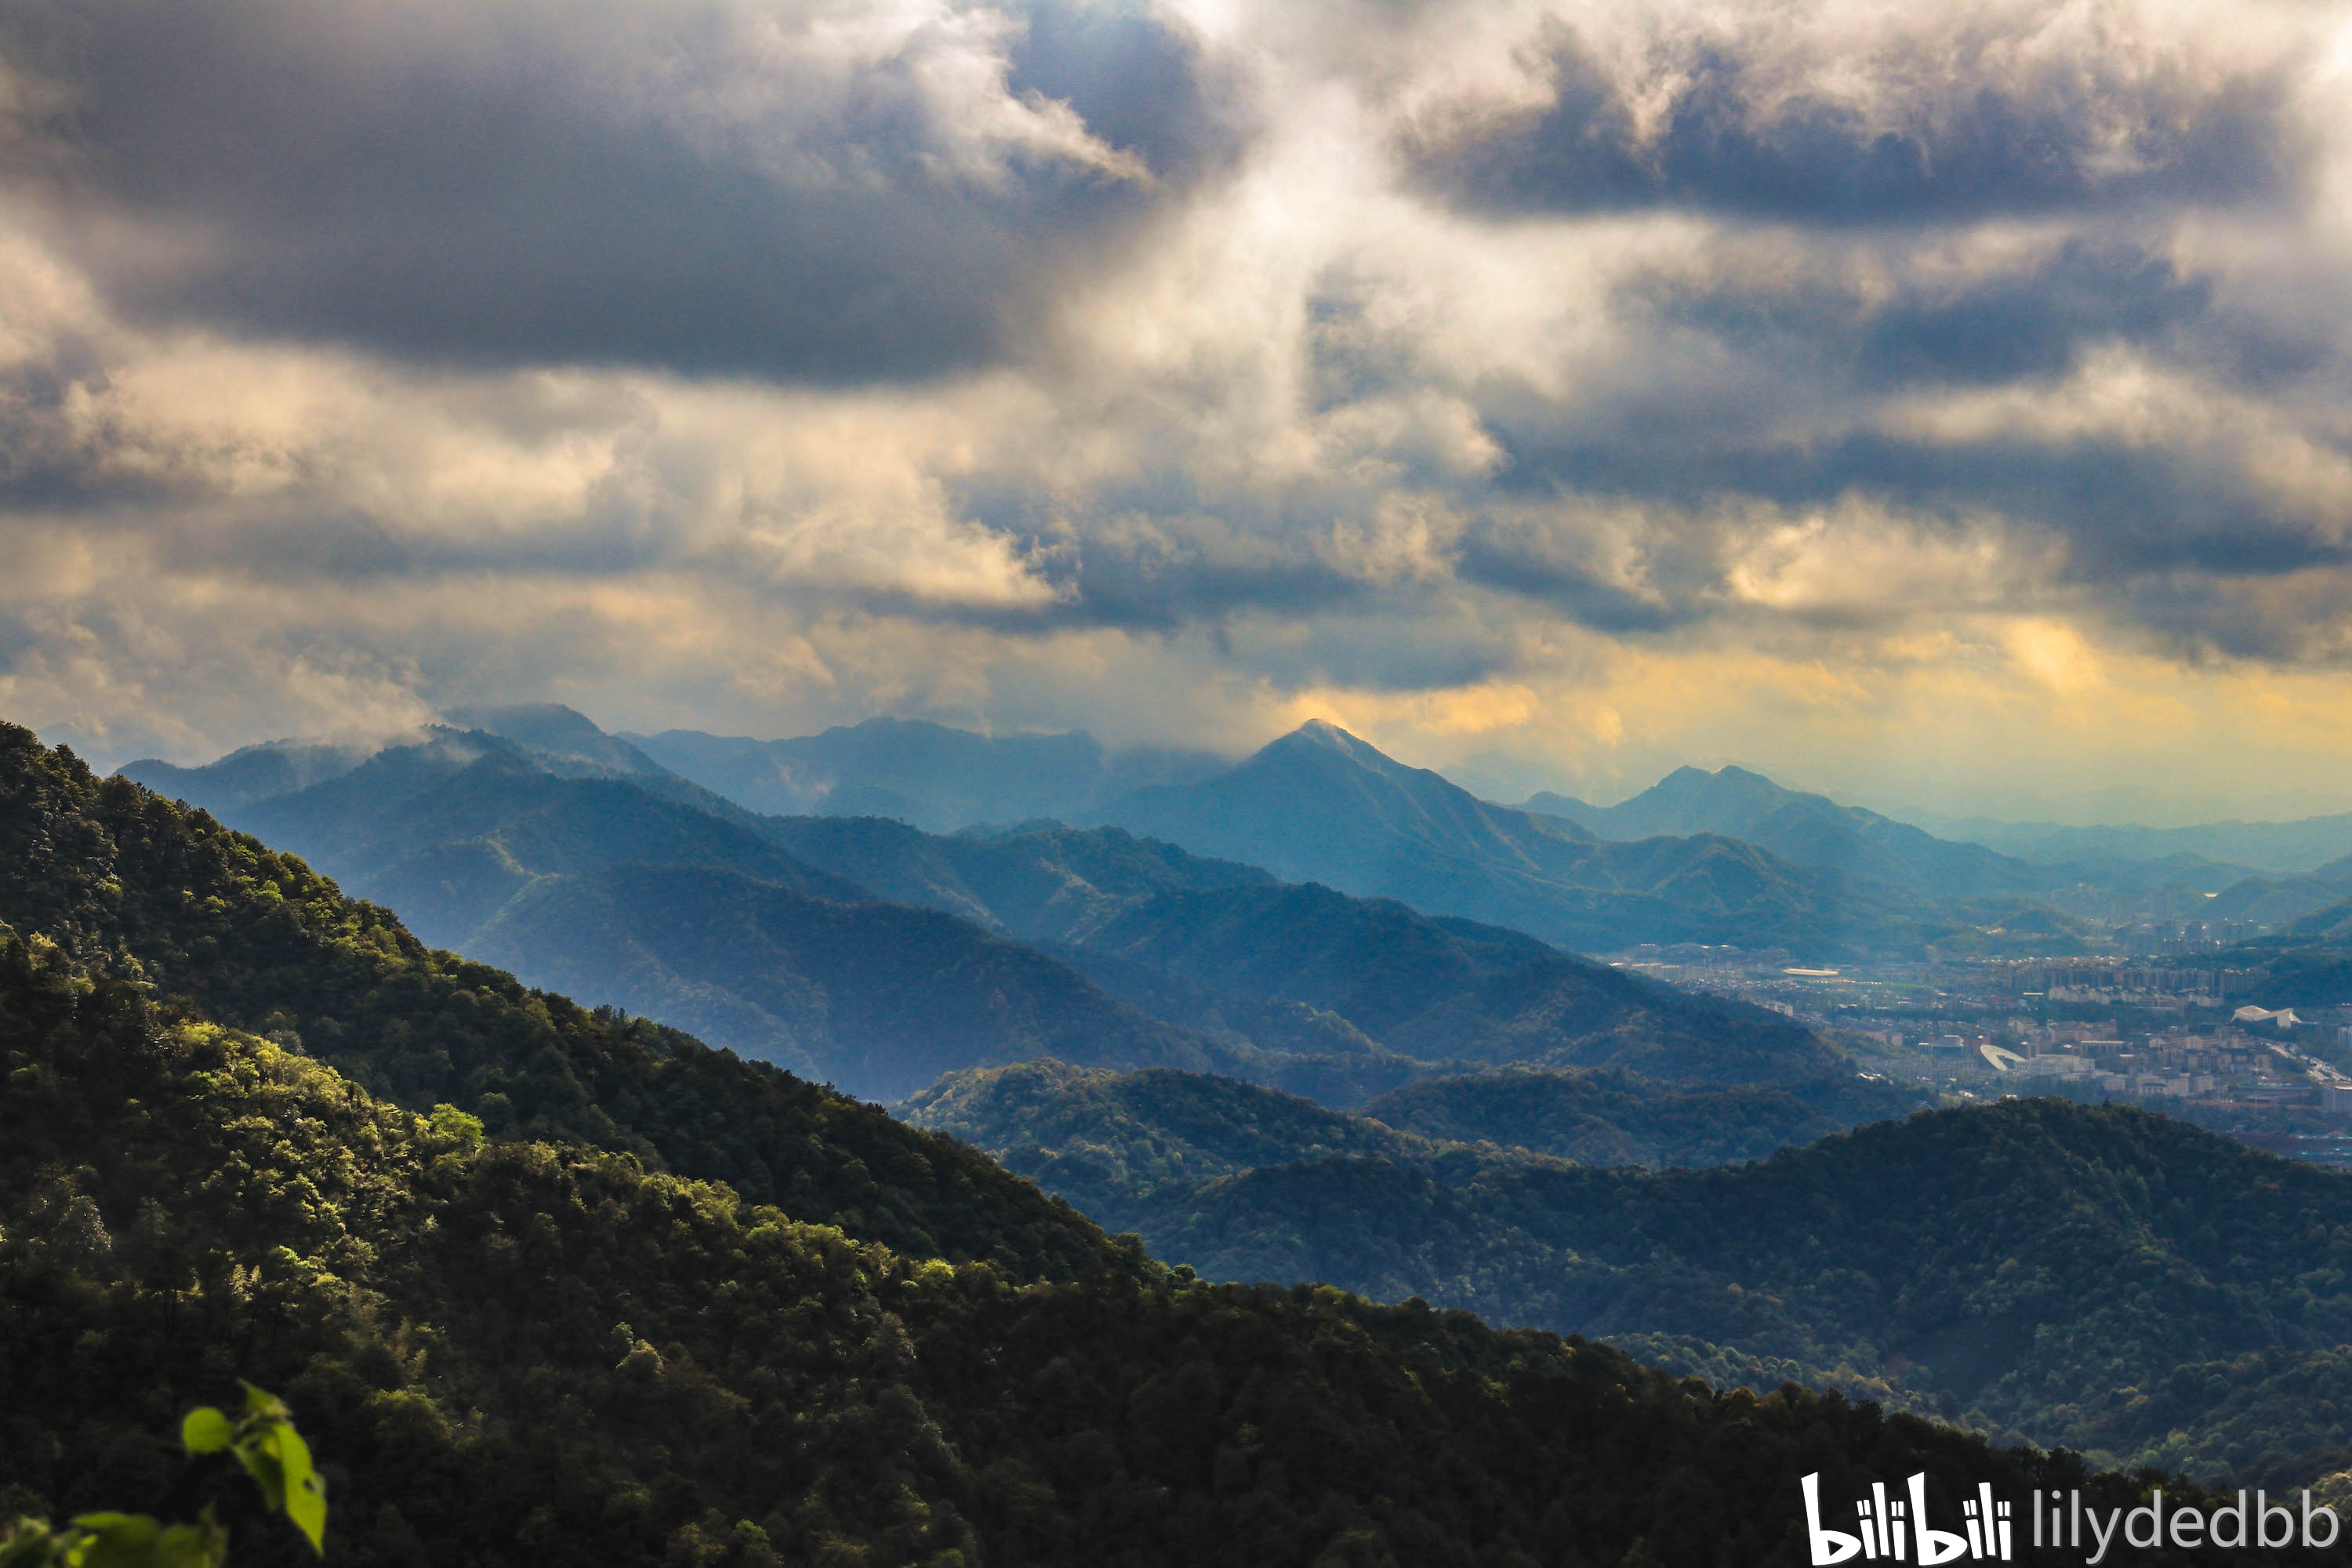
(1805, 829)
(1725, 858)
(2270, 847)
(547, 1284)
(187, 997)
(868, 953)
(2105, 1278)
(1320, 805)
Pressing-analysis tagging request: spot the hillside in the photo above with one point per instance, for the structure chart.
(2308, 964)
(2108, 1278)
(1613, 1118)
(508, 1352)
(1118, 1144)
(1186, 938)
(561, 866)
(248, 773)
(1320, 805)
(877, 998)
(1452, 989)
(1208, 944)
(450, 830)
(222, 928)
(1115, 1145)
(1804, 830)
(2280, 901)
(688, 910)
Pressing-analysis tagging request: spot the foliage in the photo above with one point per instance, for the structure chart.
(264, 1444)
(1116, 1144)
(2103, 1276)
(1610, 1118)
(223, 929)
(519, 1353)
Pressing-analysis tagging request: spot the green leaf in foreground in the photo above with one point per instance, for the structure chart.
(265, 1444)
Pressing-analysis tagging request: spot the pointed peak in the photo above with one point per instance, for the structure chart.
(1322, 735)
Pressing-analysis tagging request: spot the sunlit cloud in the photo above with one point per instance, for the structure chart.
(1868, 393)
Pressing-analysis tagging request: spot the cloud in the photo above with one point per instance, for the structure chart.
(810, 190)
(1590, 390)
(1832, 114)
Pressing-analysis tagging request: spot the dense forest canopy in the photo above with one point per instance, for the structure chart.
(508, 1352)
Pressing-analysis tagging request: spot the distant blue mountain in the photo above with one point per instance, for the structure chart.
(2288, 848)
(1321, 806)
(933, 777)
(248, 775)
(583, 864)
(1804, 830)
(1214, 944)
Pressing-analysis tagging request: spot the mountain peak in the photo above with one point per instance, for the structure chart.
(556, 731)
(546, 724)
(1324, 735)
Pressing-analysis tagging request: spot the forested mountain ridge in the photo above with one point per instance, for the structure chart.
(1120, 1146)
(1429, 988)
(878, 998)
(1607, 1116)
(2111, 1279)
(510, 1352)
(248, 773)
(219, 925)
(453, 827)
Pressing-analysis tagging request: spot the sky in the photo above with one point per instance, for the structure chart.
(1934, 404)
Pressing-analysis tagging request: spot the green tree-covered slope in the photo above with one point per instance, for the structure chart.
(1123, 1145)
(2100, 1277)
(510, 1354)
(226, 930)
(1119, 1144)
(1610, 1117)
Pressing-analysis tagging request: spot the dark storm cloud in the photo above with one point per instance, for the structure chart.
(2027, 321)
(674, 187)
(1776, 392)
(1731, 143)
(1136, 83)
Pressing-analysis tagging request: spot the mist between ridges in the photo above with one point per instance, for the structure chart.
(1992, 1529)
